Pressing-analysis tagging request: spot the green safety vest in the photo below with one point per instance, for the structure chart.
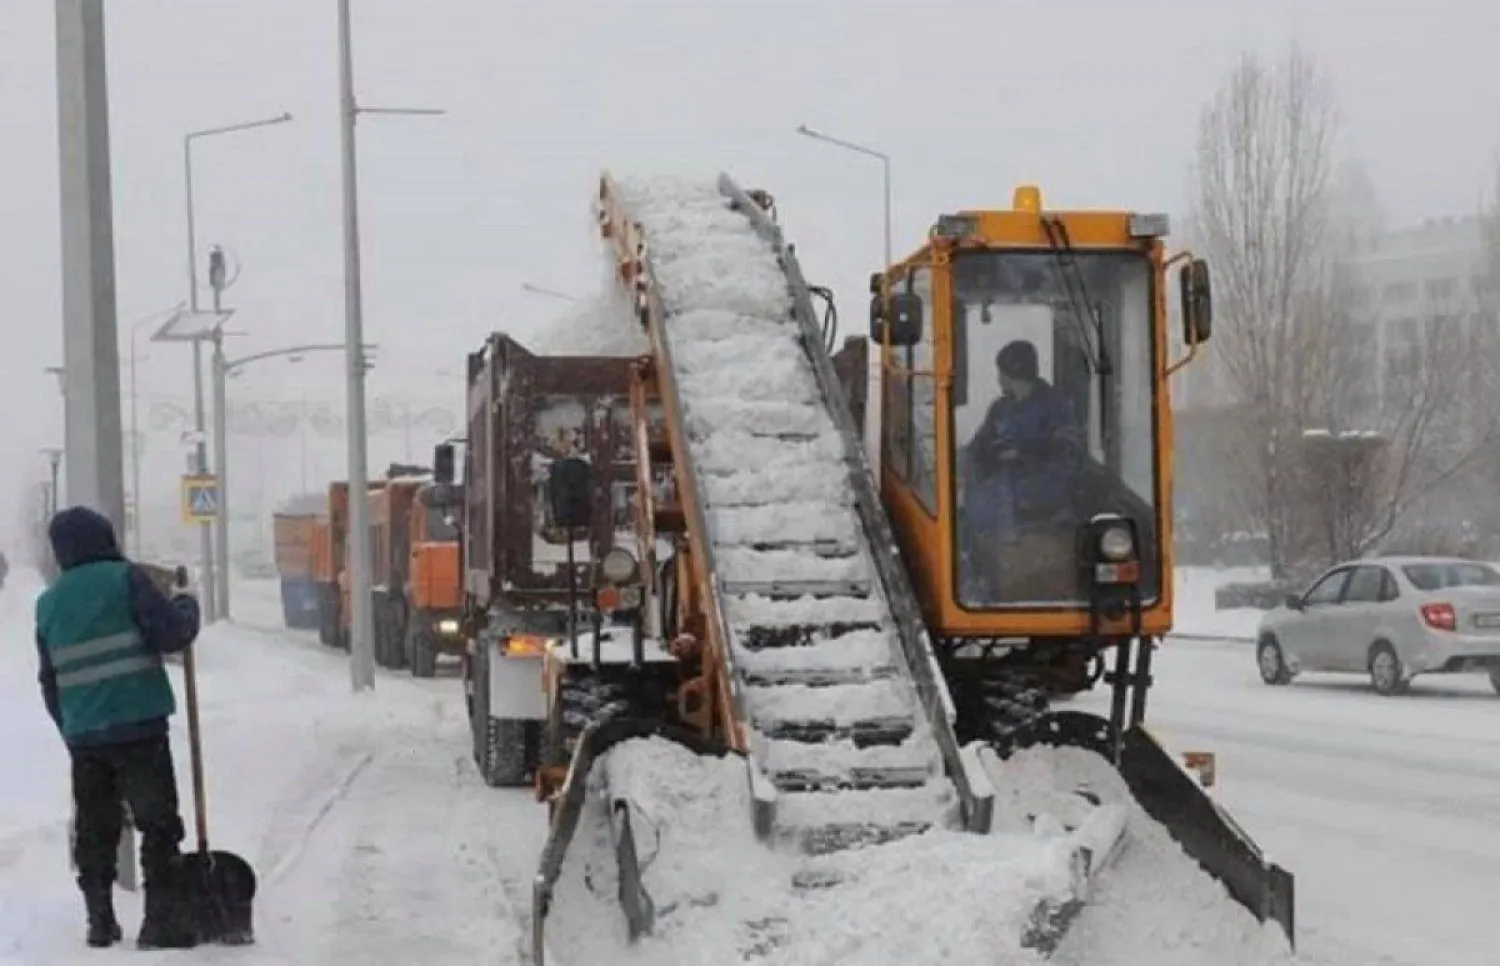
(106, 675)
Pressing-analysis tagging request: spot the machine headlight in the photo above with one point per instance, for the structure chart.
(447, 626)
(618, 566)
(1116, 544)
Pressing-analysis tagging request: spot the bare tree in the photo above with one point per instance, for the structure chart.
(1263, 170)
(1335, 442)
(1382, 455)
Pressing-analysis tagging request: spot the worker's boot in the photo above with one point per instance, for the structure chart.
(104, 928)
(169, 922)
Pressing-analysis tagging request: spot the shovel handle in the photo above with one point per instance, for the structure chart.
(195, 744)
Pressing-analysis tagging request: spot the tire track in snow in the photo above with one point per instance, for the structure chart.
(409, 864)
(284, 858)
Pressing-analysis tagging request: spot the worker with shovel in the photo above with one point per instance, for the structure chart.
(102, 630)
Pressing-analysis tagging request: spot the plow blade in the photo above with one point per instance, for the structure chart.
(1167, 793)
(1205, 831)
(592, 743)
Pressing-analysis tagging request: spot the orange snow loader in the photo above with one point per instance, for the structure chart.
(415, 580)
(1040, 558)
(872, 645)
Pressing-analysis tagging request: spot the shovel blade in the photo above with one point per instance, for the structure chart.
(219, 887)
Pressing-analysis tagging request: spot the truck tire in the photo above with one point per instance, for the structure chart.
(423, 650)
(509, 753)
(380, 615)
(400, 628)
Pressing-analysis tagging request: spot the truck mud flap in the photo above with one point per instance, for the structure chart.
(592, 743)
(1206, 832)
(1169, 795)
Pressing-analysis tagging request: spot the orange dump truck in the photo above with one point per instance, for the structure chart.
(295, 535)
(414, 583)
(325, 569)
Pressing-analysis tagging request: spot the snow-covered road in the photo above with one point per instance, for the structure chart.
(373, 837)
(376, 842)
(1387, 810)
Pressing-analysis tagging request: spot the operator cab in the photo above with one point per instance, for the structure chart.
(1025, 429)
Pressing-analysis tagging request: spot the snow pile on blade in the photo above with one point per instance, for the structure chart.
(721, 897)
(1153, 904)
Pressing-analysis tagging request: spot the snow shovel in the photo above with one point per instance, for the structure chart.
(125, 868)
(218, 887)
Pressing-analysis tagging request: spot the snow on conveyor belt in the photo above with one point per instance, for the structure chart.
(936, 899)
(818, 674)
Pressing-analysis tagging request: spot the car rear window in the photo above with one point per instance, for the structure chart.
(1436, 576)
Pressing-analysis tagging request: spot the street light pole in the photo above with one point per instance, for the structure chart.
(222, 369)
(217, 282)
(210, 584)
(135, 431)
(362, 618)
(548, 292)
(91, 356)
(885, 167)
(877, 382)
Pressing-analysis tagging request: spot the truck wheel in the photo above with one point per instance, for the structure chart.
(400, 631)
(510, 751)
(380, 630)
(423, 653)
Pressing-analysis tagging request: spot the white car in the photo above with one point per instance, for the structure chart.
(1390, 617)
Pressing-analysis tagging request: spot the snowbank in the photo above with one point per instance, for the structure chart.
(1153, 905)
(374, 840)
(1193, 604)
(942, 897)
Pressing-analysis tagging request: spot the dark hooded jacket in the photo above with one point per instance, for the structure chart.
(1041, 431)
(81, 537)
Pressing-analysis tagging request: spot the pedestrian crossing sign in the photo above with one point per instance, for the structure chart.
(200, 499)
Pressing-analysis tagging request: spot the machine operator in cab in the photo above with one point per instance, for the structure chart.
(1020, 466)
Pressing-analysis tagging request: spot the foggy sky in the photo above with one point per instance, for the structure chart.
(1095, 101)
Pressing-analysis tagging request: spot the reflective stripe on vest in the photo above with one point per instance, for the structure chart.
(127, 644)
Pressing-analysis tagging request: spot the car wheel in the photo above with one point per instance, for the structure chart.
(1495, 680)
(1386, 675)
(1268, 657)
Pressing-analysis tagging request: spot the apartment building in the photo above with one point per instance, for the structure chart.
(1404, 281)
(1409, 280)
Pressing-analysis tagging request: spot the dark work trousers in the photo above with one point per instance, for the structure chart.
(137, 773)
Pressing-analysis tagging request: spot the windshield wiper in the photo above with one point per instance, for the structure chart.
(1095, 352)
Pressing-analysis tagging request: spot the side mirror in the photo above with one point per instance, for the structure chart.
(443, 463)
(876, 279)
(1293, 602)
(1197, 302)
(905, 322)
(570, 486)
